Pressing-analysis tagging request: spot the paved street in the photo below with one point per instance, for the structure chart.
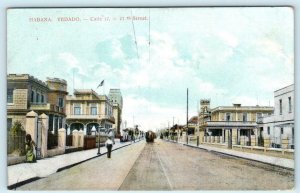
(167, 166)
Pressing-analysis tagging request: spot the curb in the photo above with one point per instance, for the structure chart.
(236, 156)
(18, 184)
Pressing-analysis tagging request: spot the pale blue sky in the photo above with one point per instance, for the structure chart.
(226, 54)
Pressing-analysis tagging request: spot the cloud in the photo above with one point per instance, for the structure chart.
(150, 115)
(228, 38)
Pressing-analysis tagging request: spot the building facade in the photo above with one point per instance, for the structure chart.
(231, 125)
(26, 93)
(279, 127)
(116, 99)
(86, 110)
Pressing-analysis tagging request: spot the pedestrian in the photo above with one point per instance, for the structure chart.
(29, 147)
(109, 144)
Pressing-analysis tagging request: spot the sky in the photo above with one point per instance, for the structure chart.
(227, 55)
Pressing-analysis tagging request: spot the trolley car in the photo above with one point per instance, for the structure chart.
(150, 136)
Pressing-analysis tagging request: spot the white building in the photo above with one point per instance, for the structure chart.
(280, 125)
(116, 99)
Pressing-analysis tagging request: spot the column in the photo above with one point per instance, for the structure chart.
(223, 136)
(62, 138)
(256, 136)
(58, 120)
(53, 125)
(69, 131)
(85, 129)
(238, 136)
(267, 141)
(234, 136)
(80, 138)
(201, 136)
(75, 138)
(226, 135)
(31, 124)
(44, 134)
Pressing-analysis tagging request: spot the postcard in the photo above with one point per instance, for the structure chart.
(181, 98)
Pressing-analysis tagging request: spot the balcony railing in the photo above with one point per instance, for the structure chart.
(46, 106)
(230, 124)
(88, 116)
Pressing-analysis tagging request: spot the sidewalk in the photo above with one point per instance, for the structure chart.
(276, 161)
(22, 173)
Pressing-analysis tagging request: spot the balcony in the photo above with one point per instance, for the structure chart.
(88, 116)
(240, 124)
(46, 107)
(40, 106)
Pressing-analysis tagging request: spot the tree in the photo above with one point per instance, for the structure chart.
(17, 128)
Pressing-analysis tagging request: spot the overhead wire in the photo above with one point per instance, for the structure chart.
(136, 46)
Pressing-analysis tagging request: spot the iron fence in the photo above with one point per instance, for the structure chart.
(52, 140)
(16, 143)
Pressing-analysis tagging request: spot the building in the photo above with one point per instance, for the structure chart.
(116, 99)
(86, 110)
(279, 127)
(26, 93)
(56, 98)
(231, 125)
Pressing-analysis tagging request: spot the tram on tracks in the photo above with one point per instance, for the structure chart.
(150, 136)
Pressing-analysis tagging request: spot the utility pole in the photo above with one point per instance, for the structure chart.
(187, 114)
(173, 121)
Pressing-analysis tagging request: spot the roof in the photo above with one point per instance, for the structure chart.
(194, 120)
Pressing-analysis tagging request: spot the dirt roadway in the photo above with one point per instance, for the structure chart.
(167, 166)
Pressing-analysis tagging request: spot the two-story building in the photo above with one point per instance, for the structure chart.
(280, 125)
(87, 110)
(232, 125)
(26, 93)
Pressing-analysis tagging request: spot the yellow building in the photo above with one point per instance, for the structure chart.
(230, 125)
(86, 110)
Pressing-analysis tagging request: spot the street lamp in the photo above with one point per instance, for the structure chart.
(99, 153)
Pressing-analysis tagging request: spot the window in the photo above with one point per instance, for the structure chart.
(258, 116)
(60, 122)
(32, 96)
(290, 104)
(10, 95)
(60, 102)
(293, 132)
(280, 106)
(37, 98)
(268, 130)
(93, 109)
(244, 117)
(9, 123)
(77, 109)
(50, 123)
(42, 99)
(227, 116)
(281, 130)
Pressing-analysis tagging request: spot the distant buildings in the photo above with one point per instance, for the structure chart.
(279, 127)
(26, 93)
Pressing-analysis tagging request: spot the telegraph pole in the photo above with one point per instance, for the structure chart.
(187, 115)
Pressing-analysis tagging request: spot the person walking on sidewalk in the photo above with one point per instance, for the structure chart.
(109, 144)
(29, 147)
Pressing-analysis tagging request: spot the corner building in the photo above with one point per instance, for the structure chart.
(86, 110)
(230, 125)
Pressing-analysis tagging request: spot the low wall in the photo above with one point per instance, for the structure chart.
(277, 152)
(56, 151)
(12, 160)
